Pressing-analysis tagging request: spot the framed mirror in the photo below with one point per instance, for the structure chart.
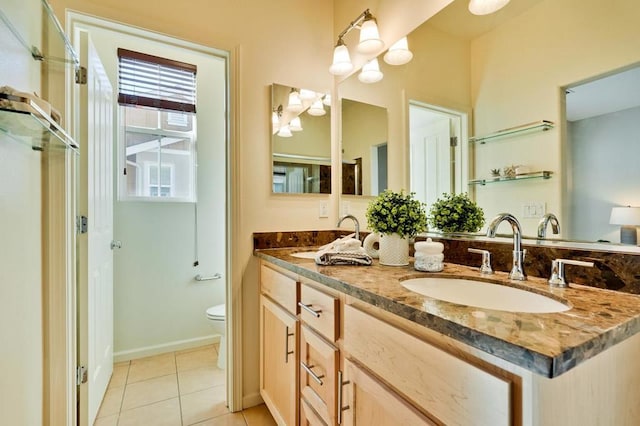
(511, 68)
(300, 140)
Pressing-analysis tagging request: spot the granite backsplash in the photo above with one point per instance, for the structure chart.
(612, 270)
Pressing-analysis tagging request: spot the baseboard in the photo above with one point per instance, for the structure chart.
(252, 400)
(177, 345)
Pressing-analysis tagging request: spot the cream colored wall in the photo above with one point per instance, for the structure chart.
(21, 319)
(517, 74)
(288, 42)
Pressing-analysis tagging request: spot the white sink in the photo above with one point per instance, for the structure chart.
(484, 295)
(305, 254)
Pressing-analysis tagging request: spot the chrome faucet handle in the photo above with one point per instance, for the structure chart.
(557, 271)
(485, 268)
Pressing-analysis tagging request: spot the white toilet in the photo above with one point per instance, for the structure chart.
(217, 315)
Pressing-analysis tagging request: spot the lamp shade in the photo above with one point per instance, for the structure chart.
(629, 216)
(485, 7)
(316, 108)
(370, 72)
(295, 125)
(327, 100)
(275, 119)
(370, 41)
(307, 95)
(399, 53)
(341, 60)
(295, 103)
(285, 132)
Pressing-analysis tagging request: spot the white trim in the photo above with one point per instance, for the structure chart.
(252, 400)
(177, 345)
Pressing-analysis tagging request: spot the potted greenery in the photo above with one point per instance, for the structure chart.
(394, 217)
(456, 213)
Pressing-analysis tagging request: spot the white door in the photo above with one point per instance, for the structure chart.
(95, 284)
(431, 161)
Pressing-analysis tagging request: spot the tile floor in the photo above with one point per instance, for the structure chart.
(178, 388)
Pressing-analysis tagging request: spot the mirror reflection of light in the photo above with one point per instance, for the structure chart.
(317, 109)
(371, 72)
(295, 125)
(285, 132)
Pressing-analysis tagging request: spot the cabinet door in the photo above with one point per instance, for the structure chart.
(366, 401)
(278, 361)
(318, 374)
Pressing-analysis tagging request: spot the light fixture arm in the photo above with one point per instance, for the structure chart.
(364, 16)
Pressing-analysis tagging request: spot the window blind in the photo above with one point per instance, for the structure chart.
(156, 82)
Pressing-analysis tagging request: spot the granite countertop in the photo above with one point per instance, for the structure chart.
(548, 344)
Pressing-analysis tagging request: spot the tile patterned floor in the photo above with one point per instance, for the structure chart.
(175, 389)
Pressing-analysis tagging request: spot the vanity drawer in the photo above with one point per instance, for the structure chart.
(320, 311)
(445, 387)
(319, 363)
(308, 417)
(279, 287)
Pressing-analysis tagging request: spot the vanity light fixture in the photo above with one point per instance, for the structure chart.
(317, 108)
(307, 95)
(285, 131)
(370, 42)
(295, 125)
(485, 7)
(629, 219)
(371, 72)
(398, 53)
(295, 103)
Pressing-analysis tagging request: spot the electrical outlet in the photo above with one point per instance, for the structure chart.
(345, 207)
(533, 209)
(323, 209)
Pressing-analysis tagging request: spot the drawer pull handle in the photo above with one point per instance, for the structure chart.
(340, 407)
(309, 309)
(313, 375)
(287, 352)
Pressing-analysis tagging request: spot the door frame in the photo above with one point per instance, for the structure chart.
(461, 173)
(60, 399)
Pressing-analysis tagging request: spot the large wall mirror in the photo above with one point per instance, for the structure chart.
(300, 140)
(509, 69)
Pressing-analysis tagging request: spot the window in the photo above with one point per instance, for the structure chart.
(158, 127)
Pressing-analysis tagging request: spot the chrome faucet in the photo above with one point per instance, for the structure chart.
(517, 271)
(542, 225)
(355, 222)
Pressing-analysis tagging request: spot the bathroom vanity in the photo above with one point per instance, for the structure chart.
(351, 345)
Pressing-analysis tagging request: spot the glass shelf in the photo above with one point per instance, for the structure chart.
(59, 43)
(542, 125)
(544, 174)
(22, 120)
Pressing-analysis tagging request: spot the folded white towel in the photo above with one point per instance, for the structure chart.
(343, 251)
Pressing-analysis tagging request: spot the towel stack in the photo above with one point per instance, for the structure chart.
(343, 251)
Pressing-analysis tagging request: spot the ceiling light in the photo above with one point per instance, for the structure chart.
(341, 60)
(370, 41)
(295, 103)
(370, 72)
(485, 7)
(316, 108)
(399, 53)
(295, 125)
(285, 132)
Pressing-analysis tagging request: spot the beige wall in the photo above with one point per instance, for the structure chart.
(518, 71)
(21, 317)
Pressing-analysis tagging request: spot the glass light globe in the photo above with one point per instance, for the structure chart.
(295, 125)
(370, 72)
(370, 41)
(285, 132)
(399, 53)
(316, 108)
(295, 103)
(341, 61)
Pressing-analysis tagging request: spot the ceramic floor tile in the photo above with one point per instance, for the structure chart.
(154, 366)
(231, 419)
(150, 391)
(258, 416)
(203, 405)
(197, 379)
(122, 364)
(163, 413)
(197, 348)
(108, 421)
(119, 376)
(206, 357)
(111, 402)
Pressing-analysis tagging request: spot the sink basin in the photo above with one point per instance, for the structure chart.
(305, 254)
(484, 295)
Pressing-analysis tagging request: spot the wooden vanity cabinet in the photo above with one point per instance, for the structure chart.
(279, 356)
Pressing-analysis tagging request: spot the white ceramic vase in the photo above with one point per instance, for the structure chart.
(394, 250)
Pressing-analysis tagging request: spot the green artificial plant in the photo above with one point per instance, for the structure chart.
(397, 213)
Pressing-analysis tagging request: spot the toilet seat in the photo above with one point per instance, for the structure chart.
(216, 313)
